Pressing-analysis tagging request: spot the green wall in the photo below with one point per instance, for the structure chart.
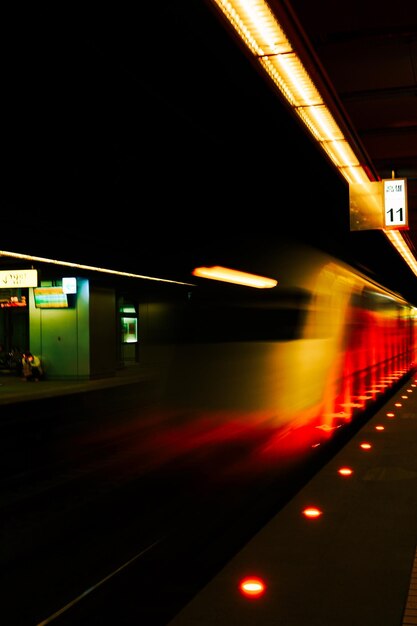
(78, 342)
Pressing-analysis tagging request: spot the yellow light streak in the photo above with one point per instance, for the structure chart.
(228, 275)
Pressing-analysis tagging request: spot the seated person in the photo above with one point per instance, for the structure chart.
(31, 367)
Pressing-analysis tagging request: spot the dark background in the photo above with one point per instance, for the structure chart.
(143, 139)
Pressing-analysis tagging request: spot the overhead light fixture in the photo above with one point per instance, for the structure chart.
(261, 31)
(265, 37)
(236, 277)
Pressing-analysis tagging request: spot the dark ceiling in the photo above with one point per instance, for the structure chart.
(145, 140)
(368, 49)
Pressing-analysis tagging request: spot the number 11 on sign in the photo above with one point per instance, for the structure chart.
(395, 203)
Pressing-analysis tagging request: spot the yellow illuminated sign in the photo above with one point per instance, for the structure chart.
(18, 278)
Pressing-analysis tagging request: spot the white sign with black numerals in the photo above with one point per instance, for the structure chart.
(395, 203)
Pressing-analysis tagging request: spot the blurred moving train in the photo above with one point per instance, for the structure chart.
(275, 369)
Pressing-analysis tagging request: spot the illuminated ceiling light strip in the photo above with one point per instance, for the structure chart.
(261, 32)
(398, 242)
(287, 69)
(318, 118)
(355, 175)
(91, 268)
(340, 153)
(256, 25)
(236, 277)
(280, 61)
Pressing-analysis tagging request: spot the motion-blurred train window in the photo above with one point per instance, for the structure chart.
(373, 300)
(261, 318)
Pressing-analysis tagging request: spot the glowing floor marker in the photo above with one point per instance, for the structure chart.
(312, 512)
(345, 471)
(252, 587)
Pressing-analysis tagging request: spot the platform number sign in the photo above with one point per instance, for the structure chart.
(395, 203)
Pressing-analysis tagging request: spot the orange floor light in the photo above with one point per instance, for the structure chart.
(312, 512)
(345, 471)
(252, 587)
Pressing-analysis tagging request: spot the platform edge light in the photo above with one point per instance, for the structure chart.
(91, 268)
(261, 32)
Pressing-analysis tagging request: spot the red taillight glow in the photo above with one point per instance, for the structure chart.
(345, 471)
(312, 512)
(252, 587)
(366, 446)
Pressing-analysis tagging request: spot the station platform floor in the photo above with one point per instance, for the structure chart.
(13, 389)
(355, 563)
